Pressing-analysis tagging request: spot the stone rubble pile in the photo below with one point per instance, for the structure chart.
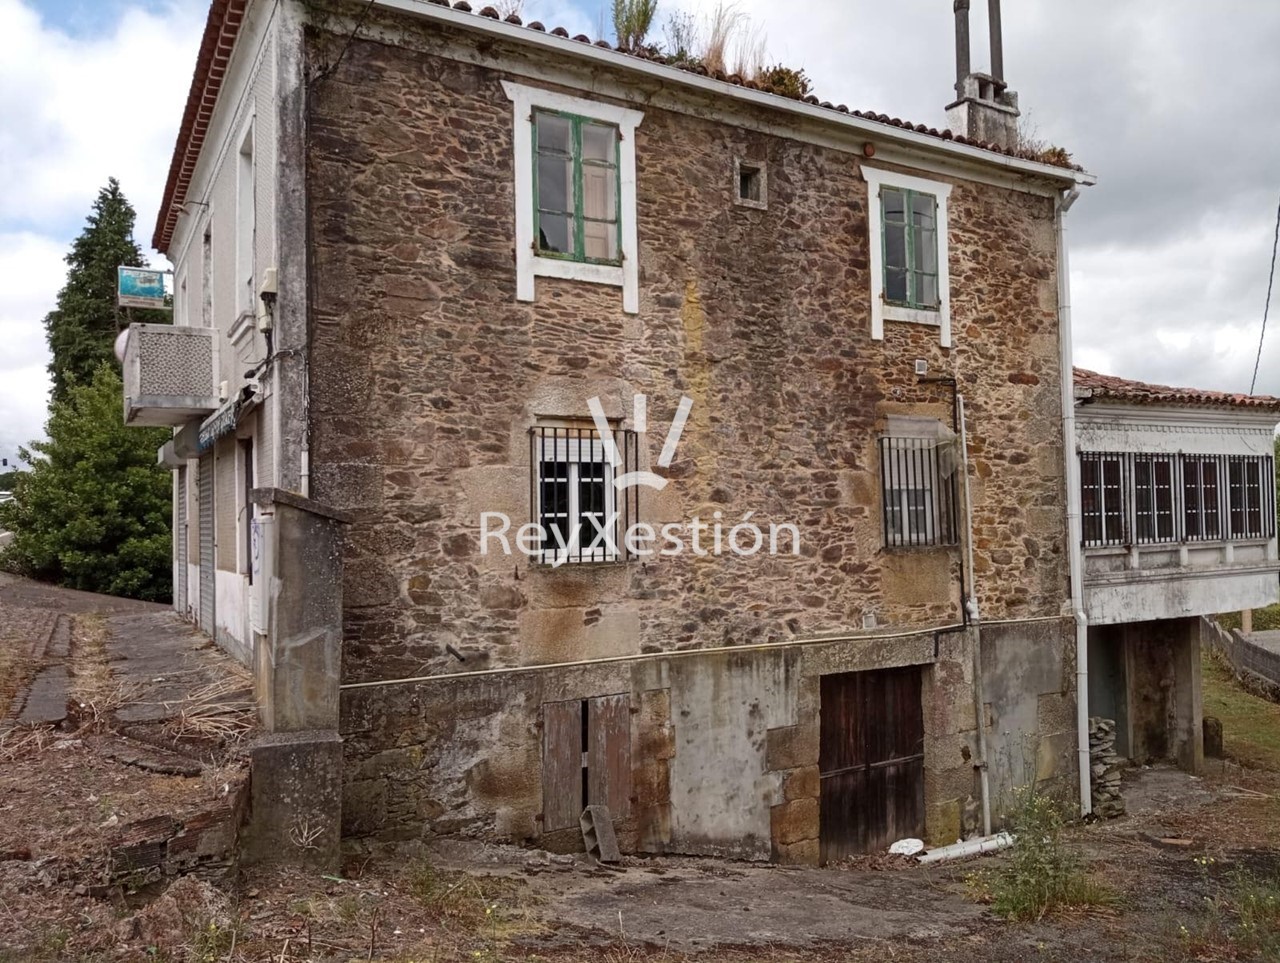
(1105, 768)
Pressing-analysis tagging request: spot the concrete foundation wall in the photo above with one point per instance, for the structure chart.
(724, 745)
(1030, 702)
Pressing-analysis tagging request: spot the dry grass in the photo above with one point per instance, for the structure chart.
(22, 741)
(725, 23)
(93, 686)
(15, 669)
(214, 710)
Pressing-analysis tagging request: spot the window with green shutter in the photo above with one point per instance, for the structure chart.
(575, 188)
(909, 222)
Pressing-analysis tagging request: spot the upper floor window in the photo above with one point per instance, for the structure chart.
(1201, 497)
(576, 185)
(575, 191)
(1153, 498)
(918, 491)
(1102, 499)
(1131, 498)
(907, 222)
(1251, 513)
(910, 231)
(245, 227)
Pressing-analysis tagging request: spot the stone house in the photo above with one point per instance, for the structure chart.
(588, 430)
(1178, 521)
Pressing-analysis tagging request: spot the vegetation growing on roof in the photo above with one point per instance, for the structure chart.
(785, 80)
(1031, 146)
(632, 20)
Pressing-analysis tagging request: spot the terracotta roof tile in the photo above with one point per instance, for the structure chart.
(224, 23)
(1139, 392)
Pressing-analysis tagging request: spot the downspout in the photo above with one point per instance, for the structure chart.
(1075, 554)
(971, 609)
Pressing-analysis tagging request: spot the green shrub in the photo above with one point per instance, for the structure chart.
(785, 80)
(1040, 872)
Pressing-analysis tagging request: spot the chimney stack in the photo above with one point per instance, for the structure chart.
(985, 108)
(962, 44)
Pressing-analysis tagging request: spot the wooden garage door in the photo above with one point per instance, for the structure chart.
(871, 761)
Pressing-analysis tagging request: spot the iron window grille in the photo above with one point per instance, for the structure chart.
(1102, 486)
(1131, 498)
(917, 484)
(576, 188)
(909, 233)
(582, 516)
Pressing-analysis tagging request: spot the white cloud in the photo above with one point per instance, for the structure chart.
(1170, 102)
(76, 111)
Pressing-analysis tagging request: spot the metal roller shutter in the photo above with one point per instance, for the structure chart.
(207, 579)
(180, 545)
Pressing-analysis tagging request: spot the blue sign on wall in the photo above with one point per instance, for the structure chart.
(140, 288)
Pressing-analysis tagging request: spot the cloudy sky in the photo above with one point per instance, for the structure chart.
(1174, 104)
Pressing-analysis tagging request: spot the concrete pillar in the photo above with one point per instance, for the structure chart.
(295, 801)
(1246, 621)
(295, 812)
(1186, 740)
(300, 661)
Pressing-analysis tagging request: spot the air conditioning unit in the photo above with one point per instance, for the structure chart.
(170, 374)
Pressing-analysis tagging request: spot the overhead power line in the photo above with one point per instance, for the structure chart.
(1271, 277)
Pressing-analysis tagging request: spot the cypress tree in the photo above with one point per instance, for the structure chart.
(83, 327)
(92, 511)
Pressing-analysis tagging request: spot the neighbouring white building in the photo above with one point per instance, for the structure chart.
(1178, 520)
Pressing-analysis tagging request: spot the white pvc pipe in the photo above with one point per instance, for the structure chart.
(970, 847)
(1075, 554)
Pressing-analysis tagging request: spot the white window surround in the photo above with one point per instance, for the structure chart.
(880, 311)
(528, 265)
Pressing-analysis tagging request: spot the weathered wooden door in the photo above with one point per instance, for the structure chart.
(586, 759)
(871, 761)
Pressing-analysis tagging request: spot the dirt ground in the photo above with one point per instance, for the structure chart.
(112, 847)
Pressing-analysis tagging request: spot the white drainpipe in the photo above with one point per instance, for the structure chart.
(1075, 553)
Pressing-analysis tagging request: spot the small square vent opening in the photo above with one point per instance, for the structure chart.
(750, 184)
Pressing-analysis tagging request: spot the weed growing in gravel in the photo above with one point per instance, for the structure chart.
(1242, 917)
(1040, 873)
(212, 943)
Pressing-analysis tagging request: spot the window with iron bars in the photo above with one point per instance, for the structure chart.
(918, 491)
(1131, 498)
(581, 514)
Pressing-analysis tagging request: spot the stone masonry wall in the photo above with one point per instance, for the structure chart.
(426, 376)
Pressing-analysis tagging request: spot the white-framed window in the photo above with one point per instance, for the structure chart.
(582, 515)
(245, 226)
(575, 191)
(181, 309)
(907, 224)
(917, 487)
